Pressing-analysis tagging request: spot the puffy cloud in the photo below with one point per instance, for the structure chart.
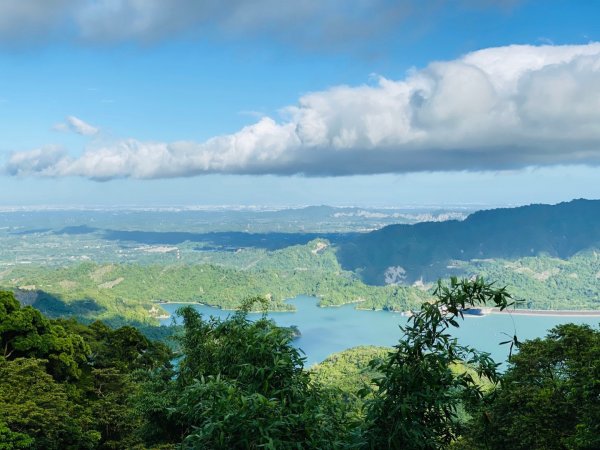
(76, 125)
(493, 109)
(35, 161)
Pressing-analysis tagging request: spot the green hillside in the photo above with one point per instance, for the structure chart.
(425, 250)
(129, 291)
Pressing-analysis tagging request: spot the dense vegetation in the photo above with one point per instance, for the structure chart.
(64, 385)
(545, 282)
(241, 384)
(349, 372)
(113, 291)
(426, 249)
(129, 293)
(549, 397)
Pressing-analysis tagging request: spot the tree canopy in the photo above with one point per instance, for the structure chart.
(235, 383)
(549, 397)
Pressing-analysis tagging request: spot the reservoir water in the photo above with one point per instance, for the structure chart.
(329, 330)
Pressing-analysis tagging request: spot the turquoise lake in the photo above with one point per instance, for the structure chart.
(329, 330)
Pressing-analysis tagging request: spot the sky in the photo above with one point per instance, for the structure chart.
(262, 102)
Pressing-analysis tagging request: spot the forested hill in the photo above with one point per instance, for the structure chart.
(427, 249)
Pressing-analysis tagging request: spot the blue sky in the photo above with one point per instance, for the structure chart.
(161, 102)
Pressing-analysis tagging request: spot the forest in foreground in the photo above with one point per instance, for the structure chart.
(237, 383)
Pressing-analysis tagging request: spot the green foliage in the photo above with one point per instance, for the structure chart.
(425, 250)
(263, 351)
(25, 332)
(241, 384)
(66, 385)
(549, 396)
(122, 294)
(418, 394)
(117, 293)
(347, 373)
(34, 405)
(10, 440)
(545, 254)
(545, 282)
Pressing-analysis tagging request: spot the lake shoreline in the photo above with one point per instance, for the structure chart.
(549, 312)
(269, 311)
(326, 330)
(520, 312)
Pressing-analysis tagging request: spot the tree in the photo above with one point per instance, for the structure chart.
(549, 397)
(67, 385)
(119, 359)
(25, 332)
(9, 440)
(241, 384)
(416, 403)
(37, 410)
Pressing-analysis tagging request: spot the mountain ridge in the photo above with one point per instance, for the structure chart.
(424, 250)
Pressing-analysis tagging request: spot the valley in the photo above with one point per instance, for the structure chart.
(121, 266)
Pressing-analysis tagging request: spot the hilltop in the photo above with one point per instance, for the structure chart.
(427, 250)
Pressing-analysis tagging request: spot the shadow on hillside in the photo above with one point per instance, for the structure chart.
(54, 306)
(214, 241)
(427, 249)
(31, 231)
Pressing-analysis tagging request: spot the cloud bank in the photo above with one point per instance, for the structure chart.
(494, 109)
(313, 22)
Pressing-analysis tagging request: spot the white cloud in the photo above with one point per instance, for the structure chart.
(76, 125)
(35, 161)
(493, 109)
